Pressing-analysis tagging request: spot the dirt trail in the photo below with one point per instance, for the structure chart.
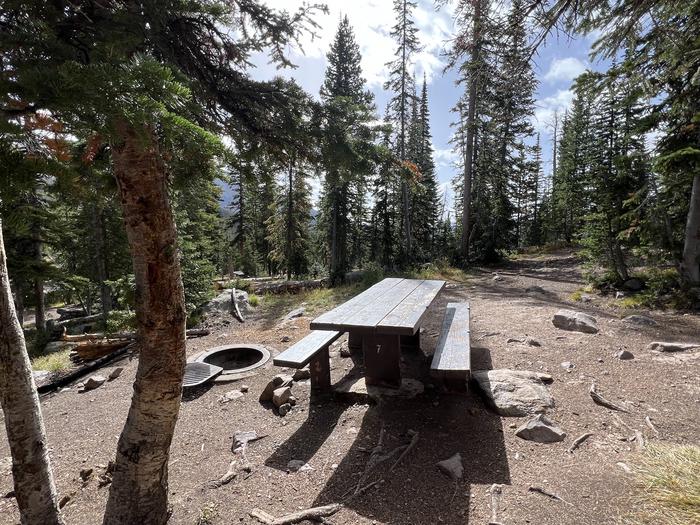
(335, 437)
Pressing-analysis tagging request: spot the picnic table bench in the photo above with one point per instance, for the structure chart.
(382, 320)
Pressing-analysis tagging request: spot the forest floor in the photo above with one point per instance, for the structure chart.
(334, 436)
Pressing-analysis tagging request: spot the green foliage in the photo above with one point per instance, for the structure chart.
(373, 273)
(121, 321)
(253, 300)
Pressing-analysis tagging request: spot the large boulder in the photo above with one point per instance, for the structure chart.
(514, 393)
(541, 430)
(222, 302)
(672, 347)
(575, 321)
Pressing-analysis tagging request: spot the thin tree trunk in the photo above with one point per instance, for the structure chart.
(39, 306)
(139, 491)
(690, 265)
(31, 469)
(469, 147)
(100, 266)
(290, 220)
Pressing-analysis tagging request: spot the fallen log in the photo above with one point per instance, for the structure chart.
(194, 332)
(312, 514)
(89, 350)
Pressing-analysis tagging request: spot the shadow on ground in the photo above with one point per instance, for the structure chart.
(415, 491)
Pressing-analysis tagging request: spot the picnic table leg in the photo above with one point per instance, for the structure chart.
(320, 368)
(411, 342)
(354, 342)
(382, 360)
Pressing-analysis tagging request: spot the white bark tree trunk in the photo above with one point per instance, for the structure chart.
(33, 482)
(690, 266)
(139, 491)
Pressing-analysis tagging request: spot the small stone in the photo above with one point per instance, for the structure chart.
(586, 298)
(85, 473)
(639, 320)
(600, 360)
(292, 401)
(284, 409)
(514, 340)
(301, 374)
(497, 277)
(232, 395)
(93, 382)
(298, 312)
(625, 355)
(64, 501)
(296, 465)
(541, 430)
(115, 373)
(619, 295)
(285, 339)
(568, 365)
(545, 378)
(281, 395)
(278, 381)
(575, 321)
(345, 351)
(452, 467)
(532, 342)
(244, 388)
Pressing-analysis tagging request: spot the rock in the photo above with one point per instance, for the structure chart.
(276, 382)
(568, 365)
(241, 439)
(285, 339)
(115, 373)
(85, 473)
(301, 374)
(633, 285)
(513, 340)
(535, 289)
(222, 302)
(452, 467)
(64, 501)
(345, 350)
(233, 395)
(244, 388)
(545, 378)
(281, 395)
(625, 355)
(514, 392)
(541, 430)
(284, 409)
(575, 321)
(586, 298)
(297, 312)
(619, 295)
(497, 277)
(93, 382)
(355, 389)
(292, 400)
(297, 465)
(639, 320)
(41, 376)
(532, 342)
(672, 347)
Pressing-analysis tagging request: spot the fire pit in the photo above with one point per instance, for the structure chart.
(235, 359)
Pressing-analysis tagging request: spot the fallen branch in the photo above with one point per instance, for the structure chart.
(639, 439)
(373, 459)
(192, 332)
(414, 441)
(577, 442)
(550, 495)
(230, 475)
(234, 306)
(313, 514)
(647, 420)
(600, 400)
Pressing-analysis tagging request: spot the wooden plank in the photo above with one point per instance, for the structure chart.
(382, 355)
(405, 318)
(376, 310)
(300, 353)
(332, 319)
(452, 355)
(320, 369)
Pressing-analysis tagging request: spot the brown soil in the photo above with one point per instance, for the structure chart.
(335, 437)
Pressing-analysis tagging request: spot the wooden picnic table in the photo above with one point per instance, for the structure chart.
(381, 320)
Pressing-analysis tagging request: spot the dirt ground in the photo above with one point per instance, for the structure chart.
(335, 436)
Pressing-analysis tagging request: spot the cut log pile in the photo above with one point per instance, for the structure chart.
(93, 346)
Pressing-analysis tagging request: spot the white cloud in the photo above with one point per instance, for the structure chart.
(546, 107)
(372, 21)
(565, 69)
(445, 158)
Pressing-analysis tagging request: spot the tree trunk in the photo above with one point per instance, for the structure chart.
(100, 266)
(290, 219)
(39, 306)
(471, 124)
(33, 482)
(139, 491)
(690, 265)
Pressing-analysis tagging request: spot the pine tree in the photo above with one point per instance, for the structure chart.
(401, 85)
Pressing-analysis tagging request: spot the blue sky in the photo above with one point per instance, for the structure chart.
(557, 63)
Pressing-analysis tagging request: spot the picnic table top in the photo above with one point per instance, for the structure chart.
(392, 306)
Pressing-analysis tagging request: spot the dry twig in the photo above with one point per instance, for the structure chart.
(577, 442)
(230, 475)
(540, 490)
(313, 514)
(647, 420)
(495, 492)
(600, 400)
(414, 441)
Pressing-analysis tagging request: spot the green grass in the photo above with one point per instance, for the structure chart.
(668, 483)
(54, 362)
(253, 300)
(576, 296)
(207, 514)
(316, 300)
